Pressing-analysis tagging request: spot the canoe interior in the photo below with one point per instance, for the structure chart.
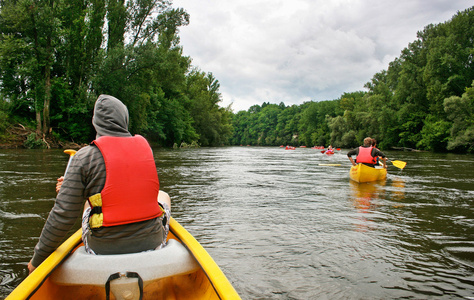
(191, 286)
(206, 282)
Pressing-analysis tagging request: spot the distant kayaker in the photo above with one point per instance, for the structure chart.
(121, 214)
(367, 154)
(330, 150)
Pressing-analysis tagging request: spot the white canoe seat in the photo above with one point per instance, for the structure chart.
(82, 268)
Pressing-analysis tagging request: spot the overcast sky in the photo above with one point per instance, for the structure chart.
(294, 51)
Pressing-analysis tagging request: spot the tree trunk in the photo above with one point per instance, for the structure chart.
(38, 123)
(47, 101)
(47, 88)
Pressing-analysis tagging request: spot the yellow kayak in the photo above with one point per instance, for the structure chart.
(363, 173)
(181, 270)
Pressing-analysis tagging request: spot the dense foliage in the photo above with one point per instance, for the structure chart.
(57, 56)
(424, 100)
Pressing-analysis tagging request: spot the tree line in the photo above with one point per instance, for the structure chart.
(57, 56)
(424, 100)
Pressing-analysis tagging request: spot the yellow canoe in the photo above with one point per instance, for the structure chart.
(363, 173)
(181, 270)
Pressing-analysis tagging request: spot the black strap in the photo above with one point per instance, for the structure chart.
(128, 275)
(140, 282)
(96, 210)
(107, 284)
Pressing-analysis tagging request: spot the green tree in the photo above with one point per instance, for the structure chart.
(286, 123)
(313, 126)
(149, 72)
(212, 123)
(460, 111)
(81, 31)
(30, 34)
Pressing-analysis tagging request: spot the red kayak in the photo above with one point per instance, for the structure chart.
(328, 152)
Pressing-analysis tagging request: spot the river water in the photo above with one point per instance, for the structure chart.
(281, 225)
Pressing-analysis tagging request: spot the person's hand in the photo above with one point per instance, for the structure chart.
(31, 268)
(59, 183)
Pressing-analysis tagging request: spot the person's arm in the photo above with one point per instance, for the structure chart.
(67, 208)
(350, 153)
(31, 268)
(59, 183)
(352, 161)
(163, 197)
(382, 155)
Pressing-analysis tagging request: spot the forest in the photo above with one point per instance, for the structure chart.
(57, 56)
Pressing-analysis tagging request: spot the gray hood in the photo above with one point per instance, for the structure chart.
(110, 117)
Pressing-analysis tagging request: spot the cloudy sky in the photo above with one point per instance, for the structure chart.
(301, 50)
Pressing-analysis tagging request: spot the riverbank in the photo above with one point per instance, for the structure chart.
(18, 136)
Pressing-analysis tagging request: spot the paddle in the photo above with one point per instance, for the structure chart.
(398, 163)
(60, 180)
(71, 154)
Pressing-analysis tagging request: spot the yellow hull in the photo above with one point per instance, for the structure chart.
(207, 282)
(363, 173)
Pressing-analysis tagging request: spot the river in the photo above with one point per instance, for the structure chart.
(281, 225)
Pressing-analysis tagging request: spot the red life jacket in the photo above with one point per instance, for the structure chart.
(365, 156)
(131, 187)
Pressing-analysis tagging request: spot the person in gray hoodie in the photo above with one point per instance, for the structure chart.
(86, 177)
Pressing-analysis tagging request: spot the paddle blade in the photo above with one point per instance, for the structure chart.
(399, 164)
(323, 151)
(70, 152)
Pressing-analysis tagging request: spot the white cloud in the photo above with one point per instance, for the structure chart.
(301, 50)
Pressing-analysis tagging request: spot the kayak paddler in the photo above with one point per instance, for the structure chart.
(366, 154)
(123, 209)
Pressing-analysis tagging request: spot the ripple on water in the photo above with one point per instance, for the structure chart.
(12, 216)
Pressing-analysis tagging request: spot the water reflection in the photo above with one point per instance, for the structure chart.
(364, 198)
(398, 188)
(364, 194)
